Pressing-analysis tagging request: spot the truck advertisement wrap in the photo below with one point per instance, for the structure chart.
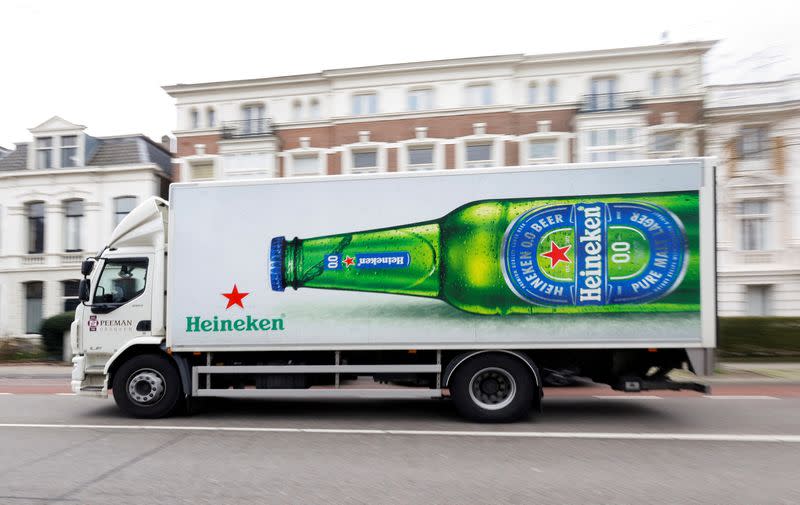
(565, 256)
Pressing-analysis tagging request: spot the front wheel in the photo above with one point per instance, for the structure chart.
(493, 388)
(147, 386)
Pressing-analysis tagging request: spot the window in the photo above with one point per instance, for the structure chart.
(753, 142)
(542, 151)
(211, 117)
(122, 206)
(69, 151)
(194, 118)
(365, 161)
(552, 92)
(202, 171)
(255, 120)
(35, 213)
(70, 295)
(655, 84)
(753, 219)
(420, 99)
(44, 152)
(365, 103)
(757, 299)
(305, 164)
(73, 211)
(420, 158)
(33, 306)
(611, 144)
(666, 145)
(121, 281)
(676, 82)
(603, 95)
(313, 109)
(297, 110)
(533, 93)
(479, 155)
(479, 94)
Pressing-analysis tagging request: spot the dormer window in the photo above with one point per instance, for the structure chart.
(69, 151)
(44, 152)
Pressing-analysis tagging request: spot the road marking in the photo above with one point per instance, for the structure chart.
(627, 397)
(741, 397)
(65, 394)
(6, 393)
(702, 437)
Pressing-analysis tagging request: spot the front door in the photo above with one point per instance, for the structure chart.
(120, 306)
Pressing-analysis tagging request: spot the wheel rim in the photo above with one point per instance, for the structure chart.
(492, 388)
(146, 387)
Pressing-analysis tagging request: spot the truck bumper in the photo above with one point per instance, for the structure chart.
(87, 384)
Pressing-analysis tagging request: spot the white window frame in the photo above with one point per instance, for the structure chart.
(764, 143)
(483, 102)
(49, 149)
(314, 108)
(687, 144)
(561, 140)
(297, 110)
(533, 93)
(349, 149)
(765, 224)
(211, 117)
(498, 150)
(657, 84)
(357, 106)
(290, 155)
(194, 118)
(427, 93)
(405, 146)
(78, 221)
(260, 120)
(552, 91)
(63, 147)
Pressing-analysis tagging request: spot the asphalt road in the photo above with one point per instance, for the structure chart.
(581, 450)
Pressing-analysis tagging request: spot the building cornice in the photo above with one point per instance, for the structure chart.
(698, 47)
(93, 170)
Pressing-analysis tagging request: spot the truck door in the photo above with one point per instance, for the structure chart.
(120, 306)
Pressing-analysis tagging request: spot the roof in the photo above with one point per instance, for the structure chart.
(699, 47)
(104, 152)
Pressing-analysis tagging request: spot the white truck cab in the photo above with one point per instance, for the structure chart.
(123, 298)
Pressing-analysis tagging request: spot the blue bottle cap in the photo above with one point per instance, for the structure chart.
(277, 251)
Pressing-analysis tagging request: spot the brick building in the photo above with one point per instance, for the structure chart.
(615, 104)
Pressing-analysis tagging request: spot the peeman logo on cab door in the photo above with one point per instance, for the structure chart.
(109, 324)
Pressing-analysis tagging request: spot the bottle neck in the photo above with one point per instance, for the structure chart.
(403, 260)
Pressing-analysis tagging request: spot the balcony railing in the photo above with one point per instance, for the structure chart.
(247, 128)
(607, 102)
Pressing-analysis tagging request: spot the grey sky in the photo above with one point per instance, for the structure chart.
(102, 63)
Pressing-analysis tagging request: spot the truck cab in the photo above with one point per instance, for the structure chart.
(122, 298)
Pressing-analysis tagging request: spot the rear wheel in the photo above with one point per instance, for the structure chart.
(147, 386)
(493, 388)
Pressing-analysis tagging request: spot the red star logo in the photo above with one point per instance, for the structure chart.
(234, 297)
(557, 254)
(349, 261)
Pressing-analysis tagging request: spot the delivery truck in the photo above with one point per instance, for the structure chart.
(459, 284)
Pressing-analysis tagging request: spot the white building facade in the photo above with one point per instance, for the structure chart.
(754, 130)
(502, 110)
(61, 194)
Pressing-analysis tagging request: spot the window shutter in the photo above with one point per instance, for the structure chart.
(733, 152)
(780, 156)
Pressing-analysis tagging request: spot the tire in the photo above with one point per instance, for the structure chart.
(493, 388)
(147, 386)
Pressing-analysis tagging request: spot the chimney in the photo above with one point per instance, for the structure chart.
(421, 132)
(166, 143)
(479, 128)
(363, 136)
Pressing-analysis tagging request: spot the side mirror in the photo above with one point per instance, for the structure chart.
(86, 267)
(83, 289)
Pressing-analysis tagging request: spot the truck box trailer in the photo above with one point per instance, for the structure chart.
(460, 283)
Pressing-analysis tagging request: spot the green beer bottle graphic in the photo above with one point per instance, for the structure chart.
(522, 256)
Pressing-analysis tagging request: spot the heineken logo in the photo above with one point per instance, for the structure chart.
(245, 323)
(594, 253)
(400, 259)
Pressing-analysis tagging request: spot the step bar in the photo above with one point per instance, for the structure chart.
(324, 392)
